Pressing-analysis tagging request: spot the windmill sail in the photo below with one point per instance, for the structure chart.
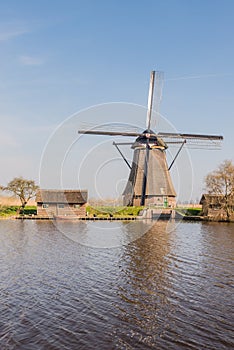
(150, 100)
(193, 140)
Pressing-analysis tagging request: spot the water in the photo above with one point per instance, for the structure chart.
(169, 289)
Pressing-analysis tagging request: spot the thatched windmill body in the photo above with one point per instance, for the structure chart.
(149, 181)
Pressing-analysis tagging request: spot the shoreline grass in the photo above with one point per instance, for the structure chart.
(7, 211)
(120, 211)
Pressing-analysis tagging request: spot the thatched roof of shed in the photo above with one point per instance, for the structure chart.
(62, 196)
(214, 198)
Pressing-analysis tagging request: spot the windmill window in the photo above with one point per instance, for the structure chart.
(76, 206)
(45, 205)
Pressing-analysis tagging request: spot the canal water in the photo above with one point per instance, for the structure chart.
(169, 288)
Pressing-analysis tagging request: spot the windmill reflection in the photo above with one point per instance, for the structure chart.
(145, 289)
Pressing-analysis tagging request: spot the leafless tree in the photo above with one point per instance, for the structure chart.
(23, 189)
(220, 182)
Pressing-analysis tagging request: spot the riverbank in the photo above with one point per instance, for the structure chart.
(113, 214)
(13, 210)
(118, 218)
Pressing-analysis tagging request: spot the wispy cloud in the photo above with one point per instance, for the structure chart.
(201, 76)
(10, 34)
(27, 60)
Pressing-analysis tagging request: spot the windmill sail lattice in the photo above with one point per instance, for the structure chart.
(149, 181)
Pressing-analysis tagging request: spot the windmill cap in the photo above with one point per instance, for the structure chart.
(148, 136)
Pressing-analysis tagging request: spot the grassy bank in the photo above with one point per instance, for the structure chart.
(6, 211)
(12, 210)
(119, 211)
(190, 211)
(99, 211)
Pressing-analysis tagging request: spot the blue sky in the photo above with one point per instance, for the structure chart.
(60, 57)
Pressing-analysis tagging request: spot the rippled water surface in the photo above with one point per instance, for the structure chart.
(171, 288)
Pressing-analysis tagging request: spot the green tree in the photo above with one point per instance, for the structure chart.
(23, 189)
(220, 182)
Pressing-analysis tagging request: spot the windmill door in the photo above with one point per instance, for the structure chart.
(165, 202)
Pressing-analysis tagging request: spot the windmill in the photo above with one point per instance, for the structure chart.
(149, 180)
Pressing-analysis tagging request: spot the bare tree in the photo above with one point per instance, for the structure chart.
(23, 189)
(220, 182)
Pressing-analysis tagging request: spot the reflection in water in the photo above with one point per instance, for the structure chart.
(144, 288)
(166, 289)
(99, 234)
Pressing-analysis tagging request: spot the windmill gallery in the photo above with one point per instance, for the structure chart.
(149, 181)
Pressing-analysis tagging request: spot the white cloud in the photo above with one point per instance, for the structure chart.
(10, 34)
(31, 60)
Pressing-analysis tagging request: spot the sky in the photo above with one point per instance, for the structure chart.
(64, 63)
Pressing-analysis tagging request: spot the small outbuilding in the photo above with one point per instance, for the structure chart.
(52, 203)
(213, 205)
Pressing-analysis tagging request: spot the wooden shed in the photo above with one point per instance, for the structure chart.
(52, 203)
(213, 205)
